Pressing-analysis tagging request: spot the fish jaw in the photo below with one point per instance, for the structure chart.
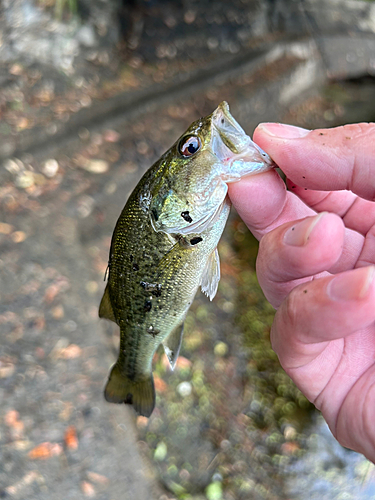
(238, 154)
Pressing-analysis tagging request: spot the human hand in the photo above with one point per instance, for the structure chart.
(316, 266)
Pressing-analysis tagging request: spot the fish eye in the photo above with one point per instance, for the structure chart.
(189, 146)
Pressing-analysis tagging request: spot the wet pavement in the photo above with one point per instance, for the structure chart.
(228, 422)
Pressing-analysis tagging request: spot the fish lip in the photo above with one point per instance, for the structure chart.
(235, 150)
(229, 130)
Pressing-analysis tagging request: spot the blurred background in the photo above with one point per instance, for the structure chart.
(92, 92)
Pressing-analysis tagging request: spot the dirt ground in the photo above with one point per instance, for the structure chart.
(74, 142)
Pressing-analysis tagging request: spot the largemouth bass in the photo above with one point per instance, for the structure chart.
(164, 247)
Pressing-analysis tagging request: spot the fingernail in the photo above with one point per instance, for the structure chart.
(298, 234)
(283, 131)
(351, 285)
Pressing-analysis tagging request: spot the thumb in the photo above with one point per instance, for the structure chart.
(323, 159)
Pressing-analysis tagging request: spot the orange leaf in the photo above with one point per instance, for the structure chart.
(183, 362)
(97, 478)
(142, 422)
(11, 418)
(290, 448)
(160, 385)
(70, 438)
(45, 450)
(88, 489)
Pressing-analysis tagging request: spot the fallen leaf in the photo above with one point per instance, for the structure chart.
(45, 450)
(5, 228)
(70, 438)
(16, 69)
(51, 293)
(23, 123)
(66, 411)
(88, 489)
(183, 363)
(71, 352)
(160, 385)
(29, 478)
(290, 448)
(97, 478)
(142, 422)
(21, 444)
(25, 179)
(111, 136)
(96, 166)
(11, 417)
(57, 312)
(50, 167)
(17, 430)
(6, 369)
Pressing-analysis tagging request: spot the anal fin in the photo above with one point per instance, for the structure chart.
(211, 275)
(172, 345)
(105, 308)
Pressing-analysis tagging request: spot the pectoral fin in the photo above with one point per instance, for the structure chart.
(105, 308)
(172, 345)
(211, 275)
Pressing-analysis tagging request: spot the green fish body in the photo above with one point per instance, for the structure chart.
(164, 247)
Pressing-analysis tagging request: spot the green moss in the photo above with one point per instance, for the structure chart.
(61, 7)
(275, 398)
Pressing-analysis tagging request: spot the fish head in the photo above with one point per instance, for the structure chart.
(191, 183)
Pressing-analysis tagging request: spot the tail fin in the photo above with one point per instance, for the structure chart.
(140, 392)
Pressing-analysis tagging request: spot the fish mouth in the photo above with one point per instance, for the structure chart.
(234, 149)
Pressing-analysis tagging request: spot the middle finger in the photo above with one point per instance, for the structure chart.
(300, 250)
(358, 214)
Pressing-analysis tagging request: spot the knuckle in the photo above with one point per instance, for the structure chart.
(359, 141)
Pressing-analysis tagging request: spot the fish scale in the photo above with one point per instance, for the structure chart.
(164, 247)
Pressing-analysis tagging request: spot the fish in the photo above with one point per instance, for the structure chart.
(164, 247)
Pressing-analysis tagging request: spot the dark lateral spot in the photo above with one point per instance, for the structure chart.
(155, 214)
(129, 399)
(303, 177)
(153, 331)
(135, 266)
(321, 133)
(185, 215)
(196, 240)
(154, 288)
(147, 306)
(305, 291)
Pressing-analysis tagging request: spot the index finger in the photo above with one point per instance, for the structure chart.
(323, 159)
(263, 203)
